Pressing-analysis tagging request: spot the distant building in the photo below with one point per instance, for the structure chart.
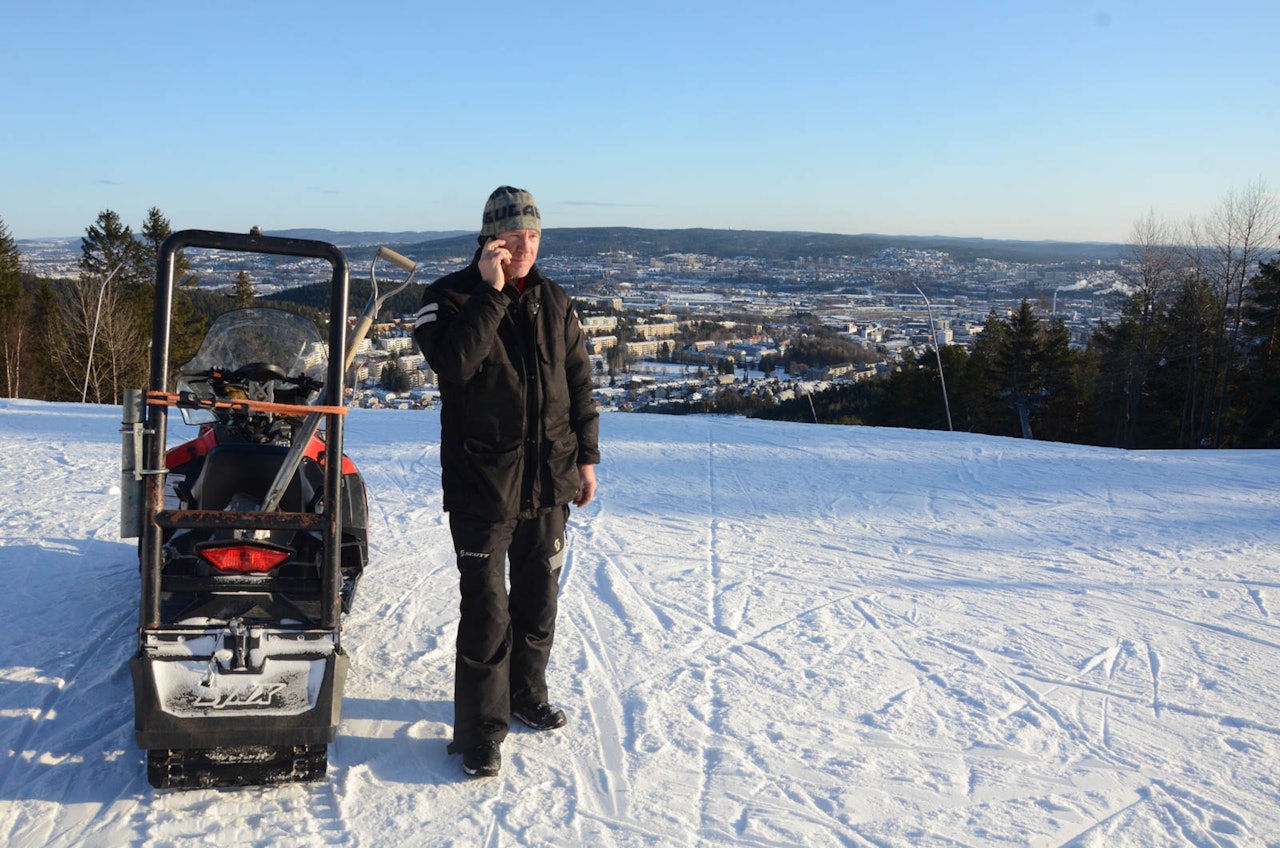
(599, 344)
(397, 344)
(657, 331)
(650, 348)
(848, 371)
(593, 324)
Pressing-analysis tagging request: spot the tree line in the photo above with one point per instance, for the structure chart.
(1193, 361)
(89, 338)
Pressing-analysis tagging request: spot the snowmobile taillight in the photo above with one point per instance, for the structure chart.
(244, 557)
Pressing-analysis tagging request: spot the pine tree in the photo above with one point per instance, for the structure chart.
(10, 264)
(1019, 362)
(109, 249)
(14, 312)
(394, 378)
(187, 325)
(46, 378)
(243, 290)
(1185, 381)
(1025, 365)
(911, 396)
(1261, 424)
(980, 394)
(1066, 377)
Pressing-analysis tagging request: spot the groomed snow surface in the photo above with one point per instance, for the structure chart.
(770, 634)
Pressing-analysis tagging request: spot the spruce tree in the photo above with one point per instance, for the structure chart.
(14, 312)
(1260, 380)
(1019, 362)
(46, 380)
(187, 324)
(10, 265)
(243, 290)
(983, 399)
(110, 249)
(1064, 383)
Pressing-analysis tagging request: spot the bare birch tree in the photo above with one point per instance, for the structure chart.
(101, 348)
(1236, 238)
(1151, 273)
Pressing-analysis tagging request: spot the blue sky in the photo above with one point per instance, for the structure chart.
(1039, 119)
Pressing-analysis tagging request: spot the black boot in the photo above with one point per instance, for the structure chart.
(483, 760)
(540, 716)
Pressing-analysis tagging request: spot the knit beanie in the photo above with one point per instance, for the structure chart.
(509, 209)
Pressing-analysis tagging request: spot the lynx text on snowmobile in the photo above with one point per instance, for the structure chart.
(252, 535)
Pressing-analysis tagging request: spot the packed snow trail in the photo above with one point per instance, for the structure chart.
(770, 634)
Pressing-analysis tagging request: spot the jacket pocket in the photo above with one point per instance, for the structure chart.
(562, 464)
(493, 477)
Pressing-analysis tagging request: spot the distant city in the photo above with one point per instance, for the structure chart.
(644, 309)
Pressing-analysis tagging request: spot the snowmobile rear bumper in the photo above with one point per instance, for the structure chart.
(223, 687)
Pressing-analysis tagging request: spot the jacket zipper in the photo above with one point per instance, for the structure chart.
(527, 325)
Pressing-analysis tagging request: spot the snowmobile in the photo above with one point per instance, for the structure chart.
(252, 535)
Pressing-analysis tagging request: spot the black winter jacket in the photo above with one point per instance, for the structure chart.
(517, 415)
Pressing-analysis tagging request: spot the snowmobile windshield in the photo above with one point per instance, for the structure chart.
(257, 337)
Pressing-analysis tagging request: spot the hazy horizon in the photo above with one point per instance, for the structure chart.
(459, 233)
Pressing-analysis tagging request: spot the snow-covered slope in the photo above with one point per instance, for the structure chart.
(770, 634)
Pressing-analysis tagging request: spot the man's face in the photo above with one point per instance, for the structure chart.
(523, 246)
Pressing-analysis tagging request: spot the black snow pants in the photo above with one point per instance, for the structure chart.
(504, 635)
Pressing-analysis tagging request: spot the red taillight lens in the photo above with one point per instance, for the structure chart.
(244, 558)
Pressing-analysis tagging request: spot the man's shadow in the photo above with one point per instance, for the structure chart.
(400, 740)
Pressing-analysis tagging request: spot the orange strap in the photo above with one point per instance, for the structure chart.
(188, 400)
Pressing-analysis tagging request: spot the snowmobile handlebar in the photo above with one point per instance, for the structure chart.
(404, 263)
(376, 301)
(220, 379)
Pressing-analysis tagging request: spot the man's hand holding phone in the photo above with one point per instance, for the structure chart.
(492, 256)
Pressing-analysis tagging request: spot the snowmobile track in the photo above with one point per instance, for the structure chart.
(290, 816)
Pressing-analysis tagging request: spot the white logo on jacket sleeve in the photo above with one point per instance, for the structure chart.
(426, 315)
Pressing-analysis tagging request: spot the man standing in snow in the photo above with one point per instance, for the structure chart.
(518, 444)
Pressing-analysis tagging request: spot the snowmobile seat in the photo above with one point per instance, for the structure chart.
(247, 470)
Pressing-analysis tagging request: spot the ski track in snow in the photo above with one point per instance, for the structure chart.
(770, 634)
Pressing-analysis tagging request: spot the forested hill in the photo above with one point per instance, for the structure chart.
(588, 242)
(349, 238)
(758, 244)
